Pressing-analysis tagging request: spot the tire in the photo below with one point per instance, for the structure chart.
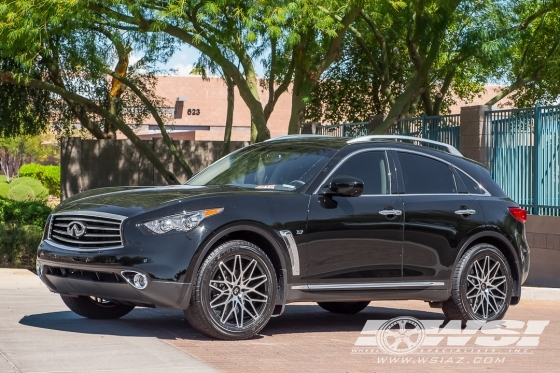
(96, 308)
(225, 305)
(347, 308)
(482, 286)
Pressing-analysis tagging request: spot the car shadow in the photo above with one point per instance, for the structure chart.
(172, 325)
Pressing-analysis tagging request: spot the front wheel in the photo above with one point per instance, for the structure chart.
(96, 308)
(482, 286)
(234, 293)
(343, 307)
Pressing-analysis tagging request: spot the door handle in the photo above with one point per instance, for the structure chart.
(391, 212)
(465, 212)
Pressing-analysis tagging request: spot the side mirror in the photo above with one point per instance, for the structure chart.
(347, 186)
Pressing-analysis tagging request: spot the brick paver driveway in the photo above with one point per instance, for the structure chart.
(305, 339)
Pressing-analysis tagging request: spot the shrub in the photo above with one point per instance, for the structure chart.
(51, 179)
(49, 176)
(3, 179)
(21, 193)
(40, 193)
(21, 230)
(4, 188)
(18, 245)
(33, 170)
(24, 213)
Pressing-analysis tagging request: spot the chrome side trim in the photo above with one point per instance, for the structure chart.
(292, 250)
(450, 149)
(374, 285)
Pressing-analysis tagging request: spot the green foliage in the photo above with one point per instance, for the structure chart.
(4, 188)
(49, 176)
(21, 229)
(40, 193)
(3, 179)
(18, 245)
(51, 179)
(22, 193)
(33, 170)
(24, 213)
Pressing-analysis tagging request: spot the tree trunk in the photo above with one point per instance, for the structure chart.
(229, 116)
(302, 90)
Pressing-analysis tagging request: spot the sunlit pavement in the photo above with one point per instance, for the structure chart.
(38, 334)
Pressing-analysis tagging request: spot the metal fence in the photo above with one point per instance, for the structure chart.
(344, 129)
(444, 128)
(522, 154)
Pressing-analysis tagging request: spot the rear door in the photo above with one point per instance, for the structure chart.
(438, 216)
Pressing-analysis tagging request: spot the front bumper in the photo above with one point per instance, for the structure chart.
(110, 284)
(162, 259)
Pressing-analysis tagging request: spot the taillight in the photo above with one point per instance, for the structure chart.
(518, 213)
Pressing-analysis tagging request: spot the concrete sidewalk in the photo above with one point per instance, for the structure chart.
(39, 334)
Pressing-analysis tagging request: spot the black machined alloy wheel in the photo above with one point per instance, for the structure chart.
(96, 308)
(234, 293)
(482, 286)
(348, 308)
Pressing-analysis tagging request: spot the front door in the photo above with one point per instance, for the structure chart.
(356, 242)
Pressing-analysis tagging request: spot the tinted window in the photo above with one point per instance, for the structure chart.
(471, 185)
(274, 165)
(371, 168)
(423, 175)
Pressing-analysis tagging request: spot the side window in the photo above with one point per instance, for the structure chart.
(371, 168)
(472, 186)
(423, 175)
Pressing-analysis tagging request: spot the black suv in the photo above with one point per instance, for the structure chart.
(336, 221)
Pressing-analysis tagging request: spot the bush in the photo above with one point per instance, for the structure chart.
(51, 179)
(40, 193)
(4, 188)
(33, 170)
(18, 245)
(48, 175)
(21, 193)
(21, 230)
(3, 179)
(24, 213)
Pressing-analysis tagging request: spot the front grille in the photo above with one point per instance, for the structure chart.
(86, 232)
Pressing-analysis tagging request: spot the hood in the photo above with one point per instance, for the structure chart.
(145, 198)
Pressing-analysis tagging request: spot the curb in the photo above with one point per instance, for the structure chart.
(536, 293)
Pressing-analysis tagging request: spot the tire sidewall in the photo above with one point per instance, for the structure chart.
(477, 254)
(223, 253)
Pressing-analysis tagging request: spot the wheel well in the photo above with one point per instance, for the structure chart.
(258, 240)
(508, 255)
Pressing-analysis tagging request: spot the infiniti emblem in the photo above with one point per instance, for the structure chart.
(76, 229)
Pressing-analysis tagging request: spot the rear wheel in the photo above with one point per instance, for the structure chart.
(343, 307)
(96, 308)
(234, 293)
(482, 286)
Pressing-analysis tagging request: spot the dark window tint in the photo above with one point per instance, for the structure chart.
(471, 185)
(371, 168)
(423, 175)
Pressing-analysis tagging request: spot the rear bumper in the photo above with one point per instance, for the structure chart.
(109, 283)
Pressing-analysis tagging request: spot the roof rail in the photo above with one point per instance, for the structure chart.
(296, 136)
(449, 148)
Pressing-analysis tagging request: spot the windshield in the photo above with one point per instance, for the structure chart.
(271, 165)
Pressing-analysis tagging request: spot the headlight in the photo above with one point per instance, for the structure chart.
(184, 222)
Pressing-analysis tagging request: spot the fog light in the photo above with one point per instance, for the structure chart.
(39, 268)
(140, 281)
